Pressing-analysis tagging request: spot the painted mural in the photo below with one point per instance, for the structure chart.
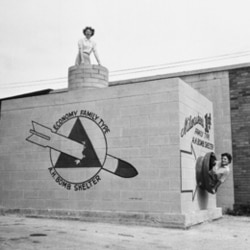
(78, 150)
(197, 139)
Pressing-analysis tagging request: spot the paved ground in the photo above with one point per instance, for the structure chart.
(33, 233)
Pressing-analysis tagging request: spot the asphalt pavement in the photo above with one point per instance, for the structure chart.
(24, 233)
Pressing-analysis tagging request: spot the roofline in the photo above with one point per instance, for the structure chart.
(140, 79)
(180, 73)
(29, 94)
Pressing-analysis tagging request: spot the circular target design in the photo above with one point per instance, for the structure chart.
(84, 154)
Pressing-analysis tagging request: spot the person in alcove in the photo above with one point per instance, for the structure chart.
(219, 170)
(85, 47)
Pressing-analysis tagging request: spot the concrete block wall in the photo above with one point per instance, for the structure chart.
(240, 116)
(136, 125)
(196, 139)
(215, 86)
(141, 128)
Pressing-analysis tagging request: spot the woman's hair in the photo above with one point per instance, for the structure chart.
(229, 157)
(212, 161)
(89, 28)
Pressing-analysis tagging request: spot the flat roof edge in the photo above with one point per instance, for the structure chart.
(180, 74)
(29, 94)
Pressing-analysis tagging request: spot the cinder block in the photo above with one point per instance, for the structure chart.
(161, 162)
(140, 185)
(108, 195)
(139, 196)
(135, 206)
(10, 203)
(170, 150)
(164, 97)
(31, 194)
(119, 142)
(159, 185)
(169, 173)
(54, 204)
(175, 208)
(29, 175)
(130, 152)
(151, 173)
(134, 100)
(174, 184)
(117, 122)
(150, 152)
(171, 197)
(139, 141)
(163, 107)
(45, 194)
(139, 121)
(15, 194)
(163, 207)
(131, 110)
(159, 119)
(130, 132)
(141, 162)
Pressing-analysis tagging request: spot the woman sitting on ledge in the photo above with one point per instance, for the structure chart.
(86, 47)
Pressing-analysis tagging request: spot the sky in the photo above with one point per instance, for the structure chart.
(38, 39)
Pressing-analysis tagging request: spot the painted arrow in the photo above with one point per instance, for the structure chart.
(45, 137)
(189, 189)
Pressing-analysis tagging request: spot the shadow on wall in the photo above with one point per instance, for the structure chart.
(203, 197)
